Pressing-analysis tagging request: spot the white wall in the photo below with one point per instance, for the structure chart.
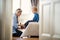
(50, 18)
(6, 19)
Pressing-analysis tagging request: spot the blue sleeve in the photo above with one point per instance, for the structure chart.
(15, 24)
(36, 17)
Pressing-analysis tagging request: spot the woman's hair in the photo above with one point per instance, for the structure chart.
(19, 9)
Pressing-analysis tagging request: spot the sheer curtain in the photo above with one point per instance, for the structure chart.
(26, 10)
(16, 5)
(26, 6)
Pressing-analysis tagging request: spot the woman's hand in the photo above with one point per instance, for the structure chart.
(22, 26)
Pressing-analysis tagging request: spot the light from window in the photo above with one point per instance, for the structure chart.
(26, 6)
(16, 5)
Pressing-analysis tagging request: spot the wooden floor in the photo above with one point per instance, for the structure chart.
(18, 38)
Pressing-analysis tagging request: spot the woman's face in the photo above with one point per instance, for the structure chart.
(18, 12)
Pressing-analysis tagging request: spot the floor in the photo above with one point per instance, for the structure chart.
(18, 38)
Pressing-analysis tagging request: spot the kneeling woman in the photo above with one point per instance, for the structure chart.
(16, 32)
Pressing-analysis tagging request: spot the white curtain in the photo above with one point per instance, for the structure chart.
(16, 5)
(26, 6)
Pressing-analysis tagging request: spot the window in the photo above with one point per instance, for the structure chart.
(16, 5)
(26, 6)
(26, 10)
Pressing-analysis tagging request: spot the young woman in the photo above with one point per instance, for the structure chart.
(16, 32)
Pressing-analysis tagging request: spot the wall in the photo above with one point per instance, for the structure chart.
(6, 19)
(50, 18)
(0, 18)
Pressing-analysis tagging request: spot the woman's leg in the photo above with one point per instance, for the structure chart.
(17, 34)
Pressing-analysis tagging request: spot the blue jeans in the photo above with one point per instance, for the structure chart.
(17, 34)
(28, 22)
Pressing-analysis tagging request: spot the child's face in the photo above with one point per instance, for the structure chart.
(33, 10)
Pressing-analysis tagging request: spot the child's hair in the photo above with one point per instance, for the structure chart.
(35, 8)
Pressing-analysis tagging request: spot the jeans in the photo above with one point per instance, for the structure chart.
(28, 22)
(17, 34)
